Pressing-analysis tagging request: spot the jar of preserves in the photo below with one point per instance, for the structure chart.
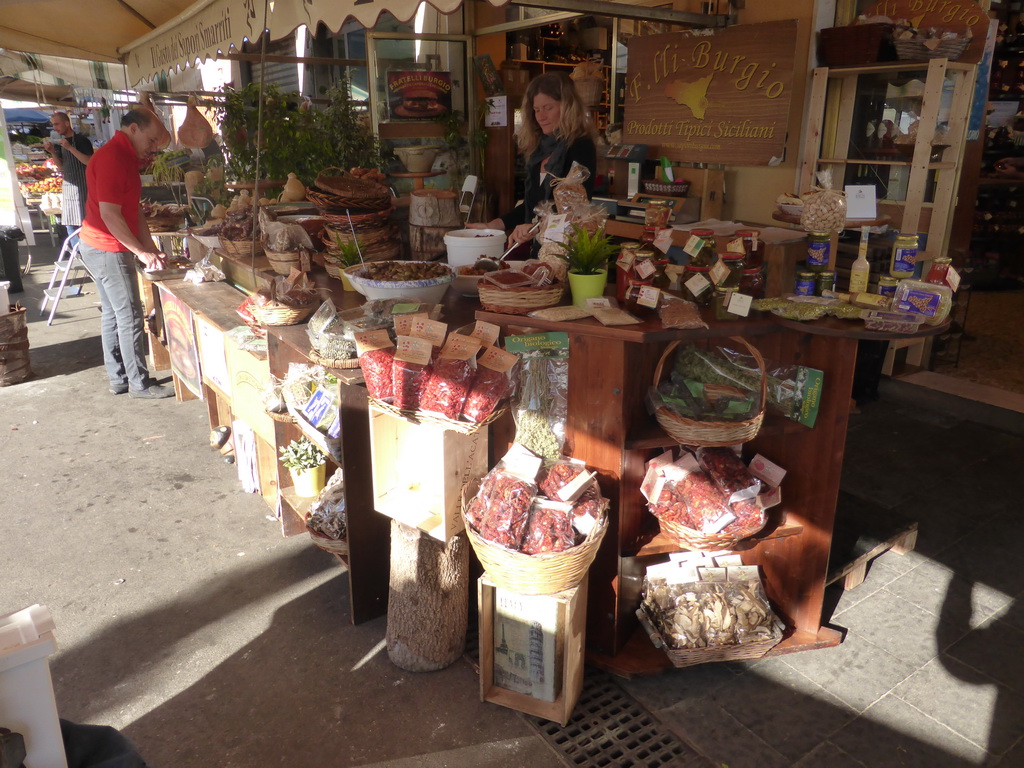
(937, 275)
(887, 285)
(697, 285)
(753, 245)
(735, 264)
(705, 255)
(627, 256)
(819, 251)
(904, 256)
(752, 282)
(639, 301)
(824, 281)
(721, 302)
(804, 284)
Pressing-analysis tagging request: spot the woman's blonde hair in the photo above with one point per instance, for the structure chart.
(573, 122)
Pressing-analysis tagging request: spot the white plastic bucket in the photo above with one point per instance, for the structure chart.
(465, 246)
(27, 705)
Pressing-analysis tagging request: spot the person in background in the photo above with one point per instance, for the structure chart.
(71, 155)
(555, 132)
(114, 235)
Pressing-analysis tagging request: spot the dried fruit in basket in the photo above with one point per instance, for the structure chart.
(376, 360)
(491, 384)
(549, 528)
(450, 377)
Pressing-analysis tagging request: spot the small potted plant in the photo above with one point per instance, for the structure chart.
(307, 465)
(346, 255)
(587, 257)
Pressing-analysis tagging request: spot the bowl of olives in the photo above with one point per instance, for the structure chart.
(423, 280)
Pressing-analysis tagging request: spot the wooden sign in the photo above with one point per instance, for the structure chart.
(947, 15)
(712, 97)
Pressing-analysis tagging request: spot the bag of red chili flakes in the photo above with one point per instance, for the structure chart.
(410, 371)
(376, 359)
(450, 377)
(492, 384)
(730, 474)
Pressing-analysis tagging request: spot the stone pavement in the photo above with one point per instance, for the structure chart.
(186, 621)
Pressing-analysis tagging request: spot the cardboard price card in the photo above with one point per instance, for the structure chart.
(413, 350)
(432, 330)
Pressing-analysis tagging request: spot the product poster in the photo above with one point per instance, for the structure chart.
(181, 341)
(212, 357)
(526, 631)
(419, 95)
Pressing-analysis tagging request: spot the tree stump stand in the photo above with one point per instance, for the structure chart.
(428, 600)
(433, 213)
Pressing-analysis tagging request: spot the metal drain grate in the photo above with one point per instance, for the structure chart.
(611, 729)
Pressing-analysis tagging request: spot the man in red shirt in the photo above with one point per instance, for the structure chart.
(115, 234)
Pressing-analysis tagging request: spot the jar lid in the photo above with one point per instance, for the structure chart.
(805, 275)
(748, 232)
(733, 256)
(752, 271)
(702, 232)
(695, 268)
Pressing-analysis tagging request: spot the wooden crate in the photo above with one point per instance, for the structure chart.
(250, 377)
(419, 471)
(557, 648)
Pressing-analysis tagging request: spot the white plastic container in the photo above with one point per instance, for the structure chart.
(5, 298)
(465, 246)
(27, 705)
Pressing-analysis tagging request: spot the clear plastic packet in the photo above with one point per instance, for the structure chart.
(451, 376)
(204, 271)
(492, 384)
(569, 191)
(377, 360)
(549, 528)
(283, 237)
(560, 474)
(501, 508)
(688, 496)
(588, 216)
(679, 313)
(328, 515)
(408, 380)
(729, 473)
(793, 390)
(730, 381)
(540, 406)
(824, 208)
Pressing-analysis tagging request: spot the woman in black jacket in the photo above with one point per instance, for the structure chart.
(555, 131)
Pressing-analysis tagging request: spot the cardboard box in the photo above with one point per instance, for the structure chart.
(419, 471)
(250, 377)
(531, 649)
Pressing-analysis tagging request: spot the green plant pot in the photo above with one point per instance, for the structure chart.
(585, 287)
(308, 482)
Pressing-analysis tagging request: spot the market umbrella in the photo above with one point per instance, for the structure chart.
(33, 116)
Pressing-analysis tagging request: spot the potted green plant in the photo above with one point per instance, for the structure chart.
(347, 256)
(307, 466)
(587, 257)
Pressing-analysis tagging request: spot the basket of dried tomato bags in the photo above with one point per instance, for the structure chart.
(706, 500)
(528, 541)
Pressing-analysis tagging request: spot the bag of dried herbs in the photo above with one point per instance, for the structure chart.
(540, 405)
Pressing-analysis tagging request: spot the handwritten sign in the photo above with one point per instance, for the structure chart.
(707, 96)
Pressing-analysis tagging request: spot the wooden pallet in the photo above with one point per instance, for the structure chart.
(863, 532)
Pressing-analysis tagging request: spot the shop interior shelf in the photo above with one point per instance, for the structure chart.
(650, 435)
(898, 163)
(298, 504)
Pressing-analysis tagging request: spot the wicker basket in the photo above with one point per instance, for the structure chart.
(711, 434)
(333, 362)
(348, 186)
(331, 204)
(856, 45)
(689, 657)
(284, 418)
(915, 50)
(283, 262)
(670, 188)
(327, 544)
(687, 538)
(165, 223)
(520, 299)
(590, 90)
(543, 574)
(241, 249)
(280, 314)
(424, 417)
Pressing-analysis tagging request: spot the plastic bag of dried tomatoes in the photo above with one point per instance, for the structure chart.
(505, 497)
(410, 372)
(450, 377)
(376, 360)
(491, 385)
(729, 472)
(549, 528)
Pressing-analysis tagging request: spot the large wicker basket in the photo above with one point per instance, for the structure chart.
(281, 314)
(689, 657)
(241, 249)
(334, 546)
(426, 417)
(283, 262)
(915, 50)
(543, 574)
(711, 434)
(688, 538)
(519, 300)
(590, 90)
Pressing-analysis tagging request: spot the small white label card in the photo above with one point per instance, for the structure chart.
(693, 245)
(765, 470)
(736, 246)
(626, 259)
(487, 332)
(403, 323)
(600, 302)
(433, 331)
(554, 231)
(719, 272)
(953, 278)
(649, 296)
(663, 240)
(645, 268)
(860, 201)
(698, 284)
(739, 303)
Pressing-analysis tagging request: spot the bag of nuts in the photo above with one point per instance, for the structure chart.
(824, 207)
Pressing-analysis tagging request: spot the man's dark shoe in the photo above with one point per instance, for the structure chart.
(152, 392)
(118, 389)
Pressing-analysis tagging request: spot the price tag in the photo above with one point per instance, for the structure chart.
(698, 284)
(719, 272)
(432, 330)
(367, 341)
(736, 246)
(459, 347)
(953, 278)
(663, 240)
(693, 245)
(765, 470)
(649, 296)
(486, 332)
(403, 323)
(626, 259)
(645, 268)
(739, 304)
(554, 232)
(674, 272)
(413, 350)
(600, 302)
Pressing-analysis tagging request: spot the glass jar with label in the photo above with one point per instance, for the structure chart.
(735, 264)
(639, 300)
(824, 281)
(887, 286)
(819, 251)
(627, 252)
(939, 272)
(704, 257)
(721, 303)
(804, 284)
(752, 282)
(697, 285)
(904, 256)
(753, 245)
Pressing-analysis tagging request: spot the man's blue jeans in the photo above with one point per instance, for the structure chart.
(122, 332)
